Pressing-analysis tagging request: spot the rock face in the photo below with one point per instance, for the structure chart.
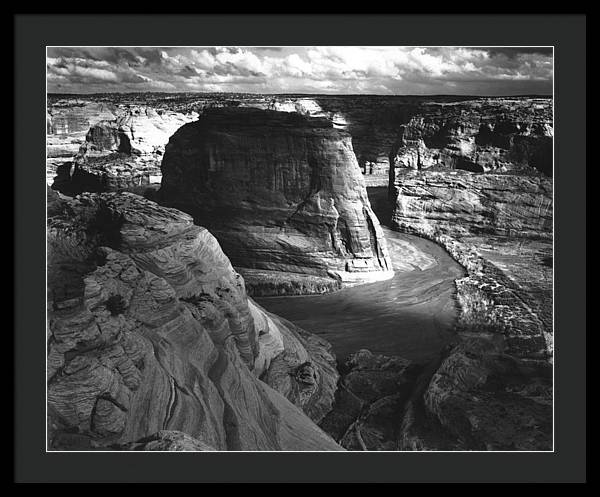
(121, 150)
(493, 389)
(137, 130)
(480, 135)
(479, 397)
(462, 211)
(490, 400)
(68, 121)
(150, 329)
(114, 172)
(460, 203)
(280, 191)
(101, 126)
(476, 178)
(370, 401)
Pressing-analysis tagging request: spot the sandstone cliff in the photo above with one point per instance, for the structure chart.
(104, 125)
(280, 191)
(461, 203)
(120, 149)
(150, 329)
(492, 390)
(479, 135)
(476, 178)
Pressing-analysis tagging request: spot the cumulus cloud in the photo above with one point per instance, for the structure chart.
(367, 69)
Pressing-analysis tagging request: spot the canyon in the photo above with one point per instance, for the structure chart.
(259, 272)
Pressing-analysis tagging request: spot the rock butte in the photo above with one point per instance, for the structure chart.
(150, 329)
(280, 191)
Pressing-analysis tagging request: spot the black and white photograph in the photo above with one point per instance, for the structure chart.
(300, 248)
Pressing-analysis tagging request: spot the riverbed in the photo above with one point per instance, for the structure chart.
(411, 315)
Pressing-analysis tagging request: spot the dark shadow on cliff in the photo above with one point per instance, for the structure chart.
(382, 207)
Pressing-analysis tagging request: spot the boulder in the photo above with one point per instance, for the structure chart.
(370, 401)
(490, 400)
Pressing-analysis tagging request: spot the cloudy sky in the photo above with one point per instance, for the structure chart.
(367, 70)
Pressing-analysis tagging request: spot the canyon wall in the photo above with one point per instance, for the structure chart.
(460, 203)
(280, 191)
(476, 177)
(70, 124)
(479, 135)
(99, 147)
(493, 132)
(150, 329)
(499, 227)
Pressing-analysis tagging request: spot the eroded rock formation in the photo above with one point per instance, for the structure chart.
(460, 131)
(492, 390)
(114, 172)
(150, 329)
(121, 150)
(280, 191)
(460, 211)
(153, 343)
(479, 135)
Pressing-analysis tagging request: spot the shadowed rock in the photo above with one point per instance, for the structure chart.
(118, 153)
(480, 398)
(370, 401)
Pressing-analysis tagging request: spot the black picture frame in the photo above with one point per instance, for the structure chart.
(567, 33)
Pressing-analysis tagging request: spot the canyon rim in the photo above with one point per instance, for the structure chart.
(300, 248)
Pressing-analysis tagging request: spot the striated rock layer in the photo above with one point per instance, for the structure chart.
(460, 211)
(280, 191)
(167, 441)
(459, 203)
(150, 329)
(114, 172)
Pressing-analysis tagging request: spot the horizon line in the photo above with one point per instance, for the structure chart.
(544, 95)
